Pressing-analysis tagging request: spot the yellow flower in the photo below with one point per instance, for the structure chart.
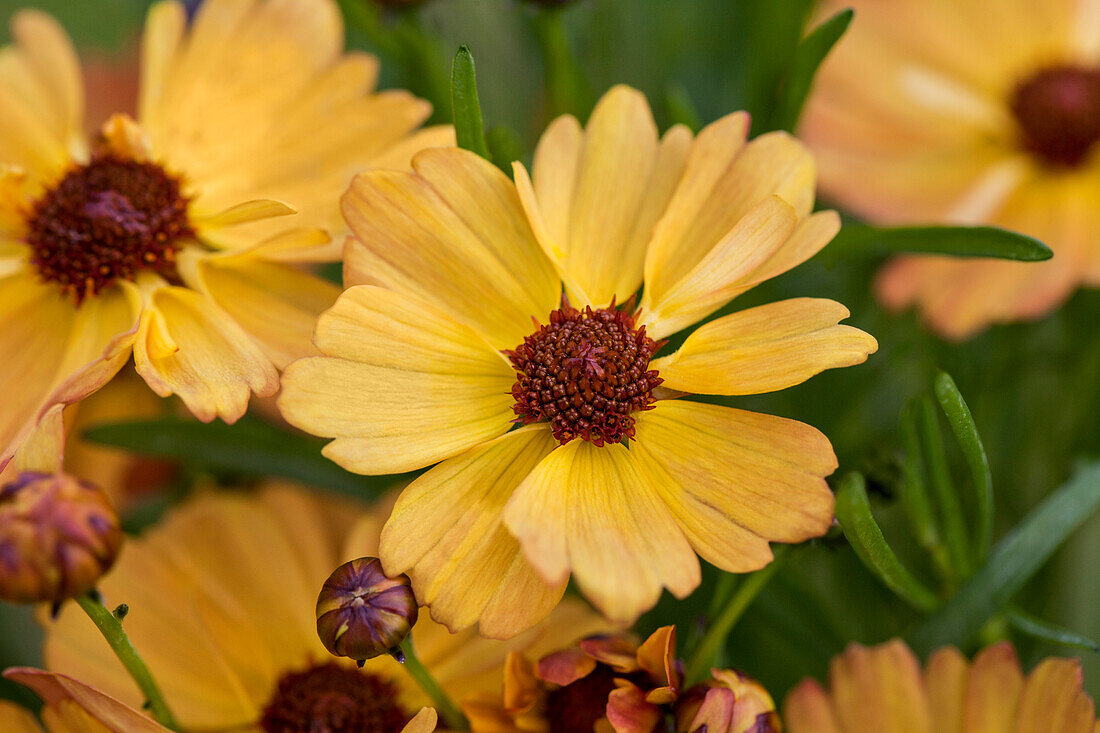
(883, 690)
(974, 111)
(222, 595)
(70, 707)
(454, 324)
(165, 238)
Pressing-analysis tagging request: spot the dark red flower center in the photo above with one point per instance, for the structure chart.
(585, 373)
(1058, 110)
(330, 698)
(107, 220)
(576, 707)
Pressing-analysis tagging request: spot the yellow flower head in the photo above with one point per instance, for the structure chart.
(975, 111)
(883, 690)
(222, 596)
(454, 329)
(164, 237)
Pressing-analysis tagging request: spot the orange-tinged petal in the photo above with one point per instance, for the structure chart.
(880, 689)
(618, 651)
(992, 690)
(423, 722)
(17, 719)
(1053, 699)
(214, 364)
(657, 656)
(241, 213)
(59, 691)
(764, 349)
(735, 480)
(404, 387)
(808, 709)
(446, 533)
(592, 511)
(945, 677)
(628, 711)
(719, 273)
(566, 666)
(422, 234)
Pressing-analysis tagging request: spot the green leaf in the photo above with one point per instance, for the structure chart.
(250, 448)
(1014, 560)
(469, 129)
(915, 498)
(1037, 628)
(966, 433)
(568, 90)
(853, 511)
(943, 488)
(505, 146)
(807, 58)
(859, 241)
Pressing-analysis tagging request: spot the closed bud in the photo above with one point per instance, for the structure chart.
(729, 702)
(361, 613)
(58, 536)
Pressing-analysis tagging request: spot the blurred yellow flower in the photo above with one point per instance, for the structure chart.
(70, 707)
(883, 690)
(163, 238)
(222, 596)
(454, 328)
(971, 111)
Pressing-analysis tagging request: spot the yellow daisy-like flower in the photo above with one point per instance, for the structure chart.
(454, 328)
(165, 238)
(975, 111)
(222, 596)
(883, 690)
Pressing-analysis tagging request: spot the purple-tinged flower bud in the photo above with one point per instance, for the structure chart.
(58, 536)
(361, 613)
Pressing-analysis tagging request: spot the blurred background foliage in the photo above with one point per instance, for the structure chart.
(1034, 389)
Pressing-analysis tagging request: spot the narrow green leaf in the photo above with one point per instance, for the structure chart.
(807, 58)
(853, 511)
(469, 129)
(966, 433)
(1013, 561)
(943, 489)
(505, 146)
(860, 241)
(1036, 627)
(681, 107)
(568, 90)
(915, 498)
(250, 448)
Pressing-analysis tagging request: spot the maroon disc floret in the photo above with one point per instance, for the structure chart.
(107, 220)
(329, 697)
(1058, 110)
(585, 372)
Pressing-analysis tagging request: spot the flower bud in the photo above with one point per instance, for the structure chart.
(729, 702)
(58, 536)
(361, 613)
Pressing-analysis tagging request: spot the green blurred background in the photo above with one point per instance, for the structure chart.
(1034, 389)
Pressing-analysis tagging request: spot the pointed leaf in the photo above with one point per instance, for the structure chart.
(859, 241)
(469, 129)
(807, 58)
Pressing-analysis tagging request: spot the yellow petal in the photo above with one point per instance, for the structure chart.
(215, 365)
(17, 719)
(86, 705)
(56, 69)
(993, 690)
(165, 24)
(764, 349)
(1053, 699)
(554, 175)
(242, 214)
(736, 479)
(404, 386)
(446, 533)
(482, 265)
(276, 304)
(809, 238)
(592, 511)
(880, 689)
(423, 722)
(717, 276)
(808, 709)
(124, 138)
(945, 677)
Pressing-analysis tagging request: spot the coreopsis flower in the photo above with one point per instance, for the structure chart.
(58, 536)
(968, 112)
(222, 595)
(165, 238)
(884, 690)
(70, 707)
(454, 328)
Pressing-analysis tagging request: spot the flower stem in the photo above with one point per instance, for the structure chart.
(709, 646)
(110, 625)
(447, 710)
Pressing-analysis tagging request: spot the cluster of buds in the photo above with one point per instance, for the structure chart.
(58, 536)
(363, 614)
(612, 682)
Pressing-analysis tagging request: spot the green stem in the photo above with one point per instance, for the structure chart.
(951, 516)
(715, 638)
(110, 626)
(448, 711)
(567, 89)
